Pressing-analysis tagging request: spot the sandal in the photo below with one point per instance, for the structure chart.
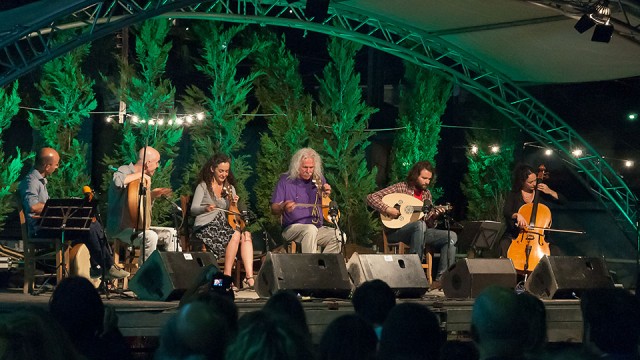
(245, 283)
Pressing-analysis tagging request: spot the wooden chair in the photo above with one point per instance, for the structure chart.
(123, 258)
(402, 248)
(31, 255)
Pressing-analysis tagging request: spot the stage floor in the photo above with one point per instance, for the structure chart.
(141, 321)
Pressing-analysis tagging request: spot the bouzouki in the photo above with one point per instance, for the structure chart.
(234, 217)
(411, 210)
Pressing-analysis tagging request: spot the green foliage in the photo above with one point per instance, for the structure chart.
(424, 97)
(225, 102)
(67, 99)
(150, 96)
(344, 117)
(488, 178)
(280, 92)
(10, 166)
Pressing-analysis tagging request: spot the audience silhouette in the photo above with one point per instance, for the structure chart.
(611, 319)
(497, 325)
(373, 300)
(33, 333)
(92, 328)
(411, 331)
(263, 336)
(346, 338)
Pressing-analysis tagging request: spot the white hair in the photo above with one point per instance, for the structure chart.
(299, 157)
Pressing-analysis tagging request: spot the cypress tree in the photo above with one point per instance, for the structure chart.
(343, 117)
(281, 93)
(10, 166)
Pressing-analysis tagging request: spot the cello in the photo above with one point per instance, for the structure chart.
(530, 246)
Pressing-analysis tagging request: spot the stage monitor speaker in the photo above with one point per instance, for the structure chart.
(468, 277)
(403, 273)
(565, 277)
(316, 275)
(165, 276)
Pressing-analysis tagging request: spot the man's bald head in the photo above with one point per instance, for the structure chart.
(47, 161)
(151, 158)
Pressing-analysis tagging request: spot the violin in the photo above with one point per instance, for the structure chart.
(530, 246)
(234, 217)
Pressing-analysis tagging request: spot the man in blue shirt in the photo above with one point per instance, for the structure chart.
(34, 194)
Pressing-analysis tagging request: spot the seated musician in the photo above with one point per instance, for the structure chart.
(120, 222)
(34, 195)
(211, 203)
(297, 198)
(417, 234)
(523, 191)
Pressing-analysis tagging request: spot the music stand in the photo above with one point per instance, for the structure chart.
(481, 235)
(64, 219)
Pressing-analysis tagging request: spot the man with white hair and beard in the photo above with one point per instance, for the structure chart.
(297, 198)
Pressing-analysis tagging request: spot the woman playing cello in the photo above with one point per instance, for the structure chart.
(523, 191)
(211, 205)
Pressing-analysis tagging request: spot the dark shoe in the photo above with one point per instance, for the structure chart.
(116, 273)
(95, 272)
(435, 285)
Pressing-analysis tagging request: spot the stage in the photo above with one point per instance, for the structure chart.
(141, 321)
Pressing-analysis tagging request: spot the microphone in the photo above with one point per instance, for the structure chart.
(333, 208)
(89, 195)
(175, 206)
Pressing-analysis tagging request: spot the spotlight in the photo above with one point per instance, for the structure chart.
(602, 33)
(577, 152)
(599, 16)
(495, 149)
(585, 23)
(628, 163)
(548, 152)
(474, 149)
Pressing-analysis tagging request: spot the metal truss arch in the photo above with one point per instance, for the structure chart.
(31, 47)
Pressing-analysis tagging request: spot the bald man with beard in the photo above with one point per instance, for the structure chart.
(34, 194)
(120, 225)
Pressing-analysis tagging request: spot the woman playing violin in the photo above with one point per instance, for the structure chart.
(523, 191)
(212, 198)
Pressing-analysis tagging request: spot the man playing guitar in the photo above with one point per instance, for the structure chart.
(420, 232)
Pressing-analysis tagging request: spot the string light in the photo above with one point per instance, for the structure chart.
(179, 120)
(474, 149)
(494, 149)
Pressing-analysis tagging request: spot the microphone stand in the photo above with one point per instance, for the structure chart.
(142, 193)
(333, 214)
(104, 244)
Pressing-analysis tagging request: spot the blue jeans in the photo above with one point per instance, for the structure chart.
(417, 235)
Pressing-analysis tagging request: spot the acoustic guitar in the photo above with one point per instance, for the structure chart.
(410, 210)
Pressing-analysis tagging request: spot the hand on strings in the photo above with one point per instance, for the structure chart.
(521, 222)
(545, 189)
(326, 189)
(392, 212)
(157, 192)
